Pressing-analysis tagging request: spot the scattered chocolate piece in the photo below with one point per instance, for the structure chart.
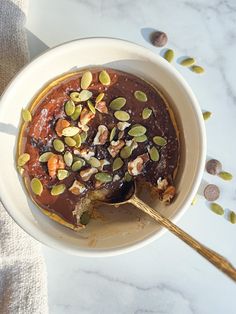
(213, 166)
(211, 192)
(159, 39)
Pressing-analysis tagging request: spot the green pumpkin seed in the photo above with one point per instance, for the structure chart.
(154, 154)
(58, 145)
(197, 69)
(206, 115)
(103, 177)
(217, 209)
(23, 159)
(112, 134)
(118, 103)
(75, 96)
(79, 163)
(128, 177)
(232, 217)
(117, 164)
(104, 78)
(58, 189)
(126, 152)
(85, 95)
(62, 174)
(36, 186)
(99, 97)
(122, 115)
(83, 136)
(187, 62)
(70, 131)
(26, 115)
(20, 170)
(45, 156)
(77, 139)
(76, 113)
(68, 158)
(86, 80)
(69, 107)
(169, 55)
(138, 130)
(225, 175)
(158, 140)
(146, 113)
(85, 218)
(140, 139)
(140, 96)
(94, 162)
(70, 141)
(91, 106)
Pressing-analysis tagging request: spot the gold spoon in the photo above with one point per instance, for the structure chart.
(128, 195)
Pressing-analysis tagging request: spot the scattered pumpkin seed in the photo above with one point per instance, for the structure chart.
(140, 96)
(36, 186)
(225, 175)
(85, 218)
(45, 156)
(86, 79)
(83, 136)
(69, 107)
(103, 177)
(70, 131)
(104, 78)
(217, 209)
(20, 170)
(94, 162)
(154, 154)
(99, 97)
(85, 94)
(206, 115)
(58, 145)
(146, 113)
(127, 177)
(58, 189)
(197, 69)
(126, 152)
(138, 130)
(118, 103)
(112, 134)
(76, 113)
(91, 106)
(26, 115)
(117, 164)
(140, 139)
(232, 217)
(122, 115)
(79, 163)
(62, 174)
(70, 141)
(23, 159)
(188, 62)
(159, 140)
(194, 201)
(68, 158)
(169, 55)
(77, 139)
(75, 96)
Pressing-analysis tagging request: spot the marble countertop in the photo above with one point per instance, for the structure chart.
(165, 276)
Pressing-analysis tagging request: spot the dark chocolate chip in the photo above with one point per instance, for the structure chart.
(211, 192)
(213, 166)
(159, 39)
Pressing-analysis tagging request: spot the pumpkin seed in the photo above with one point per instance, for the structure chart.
(85, 94)
(154, 154)
(194, 201)
(128, 177)
(118, 103)
(197, 69)
(187, 62)
(79, 163)
(112, 134)
(77, 139)
(76, 113)
(36, 186)
(225, 175)
(26, 115)
(217, 209)
(117, 164)
(103, 177)
(23, 159)
(85, 218)
(232, 217)
(146, 113)
(99, 97)
(158, 140)
(70, 131)
(86, 80)
(140, 139)
(126, 152)
(45, 156)
(91, 106)
(58, 189)
(138, 130)
(75, 96)
(104, 78)
(58, 145)
(83, 136)
(70, 141)
(20, 170)
(62, 174)
(68, 158)
(169, 55)
(206, 115)
(69, 107)
(122, 115)
(94, 162)
(140, 96)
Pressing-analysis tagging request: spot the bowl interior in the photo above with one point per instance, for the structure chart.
(119, 229)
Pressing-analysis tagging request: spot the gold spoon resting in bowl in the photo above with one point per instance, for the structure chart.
(127, 194)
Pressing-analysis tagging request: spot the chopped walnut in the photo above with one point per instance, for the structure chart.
(60, 125)
(115, 147)
(101, 136)
(77, 188)
(168, 194)
(116, 178)
(123, 125)
(162, 184)
(132, 144)
(135, 166)
(54, 163)
(103, 163)
(85, 153)
(85, 116)
(84, 128)
(87, 173)
(121, 134)
(101, 107)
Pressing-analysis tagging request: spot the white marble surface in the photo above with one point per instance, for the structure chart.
(166, 276)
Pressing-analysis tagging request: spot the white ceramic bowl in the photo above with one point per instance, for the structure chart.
(123, 230)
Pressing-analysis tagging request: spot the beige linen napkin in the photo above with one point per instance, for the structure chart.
(23, 287)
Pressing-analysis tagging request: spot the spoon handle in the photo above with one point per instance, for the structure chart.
(216, 259)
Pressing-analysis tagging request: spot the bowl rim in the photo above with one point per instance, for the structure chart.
(92, 252)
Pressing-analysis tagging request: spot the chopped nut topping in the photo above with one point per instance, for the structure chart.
(121, 134)
(116, 178)
(168, 194)
(135, 166)
(131, 143)
(85, 116)
(101, 136)
(60, 125)
(162, 184)
(115, 147)
(54, 163)
(101, 107)
(77, 188)
(103, 163)
(123, 125)
(87, 173)
(84, 128)
(85, 153)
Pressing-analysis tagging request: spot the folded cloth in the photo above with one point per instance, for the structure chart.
(23, 287)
